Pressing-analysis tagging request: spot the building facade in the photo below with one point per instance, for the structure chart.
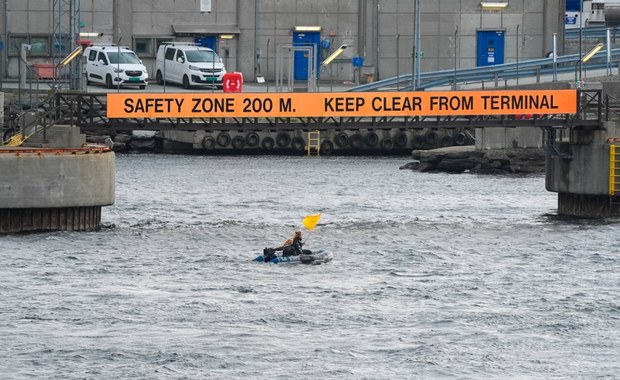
(250, 36)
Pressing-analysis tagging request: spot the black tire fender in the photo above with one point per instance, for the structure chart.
(387, 143)
(460, 138)
(298, 144)
(327, 147)
(208, 142)
(268, 143)
(371, 139)
(356, 141)
(445, 141)
(283, 139)
(252, 139)
(432, 138)
(400, 139)
(341, 140)
(238, 142)
(418, 141)
(223, 139)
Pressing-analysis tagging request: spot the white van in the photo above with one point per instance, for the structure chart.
(189, 65)
(114, 65)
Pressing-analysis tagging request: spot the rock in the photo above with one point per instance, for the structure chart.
(425, 167)
(411, 166)
(498, 161)
(455, 165)
(143, 144)
(122, 138)
(97, 139)
(142, 135)
(119, 147)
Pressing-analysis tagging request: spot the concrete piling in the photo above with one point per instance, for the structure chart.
(46, 188)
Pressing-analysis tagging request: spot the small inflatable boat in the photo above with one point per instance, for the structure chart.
(309, 257)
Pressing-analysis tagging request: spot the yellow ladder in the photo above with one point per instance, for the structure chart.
(314, 142)
(16, 140)
(614, 171)
(19, 138)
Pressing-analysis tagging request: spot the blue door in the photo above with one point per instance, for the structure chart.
(490, 47)
(301, 58)
(206, 41)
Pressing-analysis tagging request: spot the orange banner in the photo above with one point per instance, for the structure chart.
(346, 104)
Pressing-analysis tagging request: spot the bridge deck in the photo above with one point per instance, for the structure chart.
(89, 112)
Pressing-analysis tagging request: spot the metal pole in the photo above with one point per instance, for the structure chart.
(377, 40)
(255, 36)
(213, 68)
(517, 43)
(555, 57)
(267, 74)
(580, 35)
(397, 63)
(5, 54)
(164, 78)
(417, 43)
(291, 68)
(413, 51)
(118, 66)
(608, 43)
(456, 32)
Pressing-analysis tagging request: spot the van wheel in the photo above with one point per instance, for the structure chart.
(160, 78)
(88, 82)
(185, 82)
(142, 87)
(108, 81)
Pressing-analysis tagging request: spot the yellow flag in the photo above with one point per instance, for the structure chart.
(310, 221)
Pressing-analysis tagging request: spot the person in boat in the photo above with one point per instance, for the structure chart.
(291, 247)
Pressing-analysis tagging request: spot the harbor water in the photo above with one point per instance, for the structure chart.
(434, 276)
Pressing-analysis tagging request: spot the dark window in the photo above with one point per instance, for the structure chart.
(102, 58)
(39, 45)
(170, 53)
(15, 44)
(143, 47)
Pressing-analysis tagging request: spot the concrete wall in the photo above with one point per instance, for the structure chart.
(587, 172)
(55, 180)
(381, 31)
(502, 138)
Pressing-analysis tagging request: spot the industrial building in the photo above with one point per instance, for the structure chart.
(378, 37)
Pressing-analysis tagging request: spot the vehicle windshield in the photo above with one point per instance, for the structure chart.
(126, 57)
(201, 56)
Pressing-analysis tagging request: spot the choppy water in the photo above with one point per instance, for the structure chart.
(434, 276)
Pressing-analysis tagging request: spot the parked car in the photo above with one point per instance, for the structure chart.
(114, 65)
(189, 65)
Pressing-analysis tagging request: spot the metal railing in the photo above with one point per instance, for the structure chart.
(88, 112)
(535, 68)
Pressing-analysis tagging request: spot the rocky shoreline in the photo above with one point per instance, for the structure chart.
(467, 159)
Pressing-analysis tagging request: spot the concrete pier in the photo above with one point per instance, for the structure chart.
(55, 187)
(580, 174)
